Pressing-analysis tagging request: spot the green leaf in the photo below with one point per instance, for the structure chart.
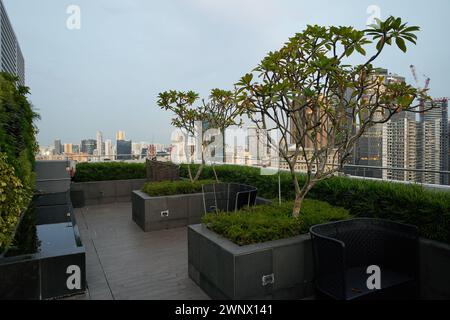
(401, 44)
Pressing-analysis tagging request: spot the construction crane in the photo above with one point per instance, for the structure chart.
(416, 79)
(424, 89)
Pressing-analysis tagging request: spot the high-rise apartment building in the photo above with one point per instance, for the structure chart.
(68, 148)
(100, 144)
(109, 149)
(11, 57)
(400, 147)
(433, 143)
(368, 152)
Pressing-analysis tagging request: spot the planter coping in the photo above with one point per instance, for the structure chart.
(235, 249)
(145, 196)
(122, 180)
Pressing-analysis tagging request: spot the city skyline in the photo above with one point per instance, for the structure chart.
(85, 73)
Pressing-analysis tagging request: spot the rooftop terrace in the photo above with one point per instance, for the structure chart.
(122, 262)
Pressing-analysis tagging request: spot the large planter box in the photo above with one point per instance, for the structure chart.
(159, 213)
(280, 269)
(103, 192)
(46, 273)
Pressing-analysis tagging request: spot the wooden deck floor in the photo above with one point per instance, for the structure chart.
(125, 263)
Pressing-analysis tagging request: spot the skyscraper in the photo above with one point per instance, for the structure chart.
(12, 60)
(88, 146)
(68, 148)
(100, 146)
(400, 147)
(433, 142)
(124, 150)
(368, 151)
(108, 148)
(120, 136)
(58, 147)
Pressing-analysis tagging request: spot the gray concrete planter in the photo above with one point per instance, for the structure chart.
(280, 269)
(168, 212)
(103, 192)
(159, 213)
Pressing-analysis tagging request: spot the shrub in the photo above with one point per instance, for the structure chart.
(105, 171)
(168, 188)
(17, 129)
(14, 197)
(272, 222)
(413, 204)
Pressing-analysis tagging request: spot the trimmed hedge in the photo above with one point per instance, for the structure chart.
(169, 188)
(427, 209)
(106, 171)
(272, 222)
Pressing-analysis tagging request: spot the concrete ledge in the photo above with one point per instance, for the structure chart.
(225, 270)
(104, 192)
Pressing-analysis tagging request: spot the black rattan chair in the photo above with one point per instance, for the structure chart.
(344, 250)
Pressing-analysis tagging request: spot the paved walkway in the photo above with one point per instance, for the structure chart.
(123, 262)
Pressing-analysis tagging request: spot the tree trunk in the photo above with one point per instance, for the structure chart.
(215, 173)
(300, 195)
(199, 172)
(190, 172)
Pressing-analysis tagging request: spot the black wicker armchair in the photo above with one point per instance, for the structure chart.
(344, 250)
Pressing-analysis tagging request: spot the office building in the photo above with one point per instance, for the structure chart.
(124, 150)
(88, 146)
(12, 60)
(58, 149)
(76, 148)
(120, 136)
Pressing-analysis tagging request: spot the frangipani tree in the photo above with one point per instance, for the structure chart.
(320, 104)
(219, 112)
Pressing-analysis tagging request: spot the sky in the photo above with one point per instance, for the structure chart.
(106, 75)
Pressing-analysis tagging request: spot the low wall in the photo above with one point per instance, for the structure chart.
(103, 192)
(234, 272)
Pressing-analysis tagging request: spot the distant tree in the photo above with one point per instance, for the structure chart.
(320, 104)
